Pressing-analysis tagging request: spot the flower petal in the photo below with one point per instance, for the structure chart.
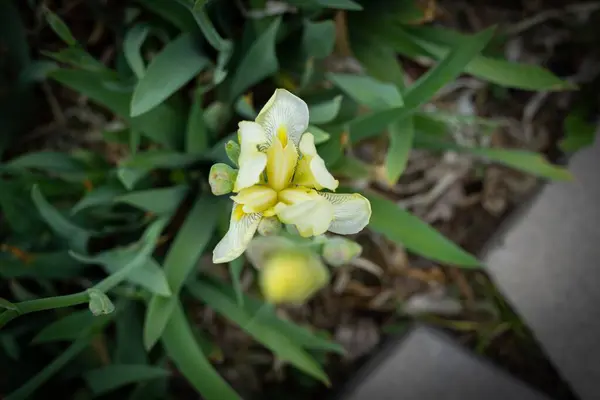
(311, 170)
(252, 161)
(255, 199)
(281, 163)
(311, 217)
(351, 212)
(242, 227)
(284, 110)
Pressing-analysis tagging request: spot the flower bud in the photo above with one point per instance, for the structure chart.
(233, 151)
(221, 178)
(292, 277)
(338, 251)
(269, 226)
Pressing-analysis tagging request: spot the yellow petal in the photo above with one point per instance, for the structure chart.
(296, 195)
(311, 217)
(351, 212)
(252, 161)
(242, 228)
(311, 170)
(281, 163)
(255, 199)
(292, 277)
(284, 110)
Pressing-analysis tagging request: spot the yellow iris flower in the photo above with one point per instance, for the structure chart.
(281, 175)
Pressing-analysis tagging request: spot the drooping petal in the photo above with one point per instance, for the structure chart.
(351, 212)
(256, 199)
(281, 163)
(252, 161)
(284, 111)
(311, 170)
(311, 217)
(242, 228)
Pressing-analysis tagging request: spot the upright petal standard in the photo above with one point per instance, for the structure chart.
(280, 176)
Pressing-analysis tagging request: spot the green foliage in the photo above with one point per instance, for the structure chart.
(129, 238)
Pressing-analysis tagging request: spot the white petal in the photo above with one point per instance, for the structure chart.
(321, 177)
(351, 212)
(252, 161)
(241, 230)
(287, 110)
(311, 217)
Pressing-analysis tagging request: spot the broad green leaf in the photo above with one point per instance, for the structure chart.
(98, 196)
(401, 138)
(59, 27)
(277, 342)
(79, 58)
(320, 135)
(235, 272)
(436, 41)
(404, 228)
(129, 348)
(178, 63)
(258, 63)
(155, 159)
(368, 91)
(164, 124)
(447, 70)
(43, 265)
(146, 246)
(73, 326)
(171, 11)
(77, 236)
(50, 161)
(318, 38)
(260, 310)
(325, 112)
(25, 391)
(7, 305)
(111, 377)
(148, 275)
(188, 246)
(579, 132)
(197, 135)
(132, 45)
(157, 201)
(186, 354)
(369, 125)
(351, 167)
(340, 4)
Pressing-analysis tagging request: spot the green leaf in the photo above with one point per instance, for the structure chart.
(128, 335)
(157, 201)
(258, 63)
(260, 310)
(98, 196)
(164, 124)
(49, 161)
(235, 272)
(73, 326)
(78, 237)
(368, 91)
(7, 305)
(404, 228)
(277, 342)
(59, 27)
(325, 112)
(188, 246)
(340, 4)
(25, 391)
(171, 11)
(197, 135)
(178, 63)
(132, 45)
(42, 266)
(579, 132)
(318, 38)
(111, 377)
(100, 304)
(155, 159)
(401, 138)
(435, 41)
(448, 69)
(320, 135)
(79, 58)
(186, 354)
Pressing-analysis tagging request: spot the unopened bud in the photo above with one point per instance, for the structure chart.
(233, 151)
(338, 251)
(269, 226)
(221, 179)
(292, 277)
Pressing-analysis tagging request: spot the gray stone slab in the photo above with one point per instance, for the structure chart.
(427, 364)
(548, 266)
